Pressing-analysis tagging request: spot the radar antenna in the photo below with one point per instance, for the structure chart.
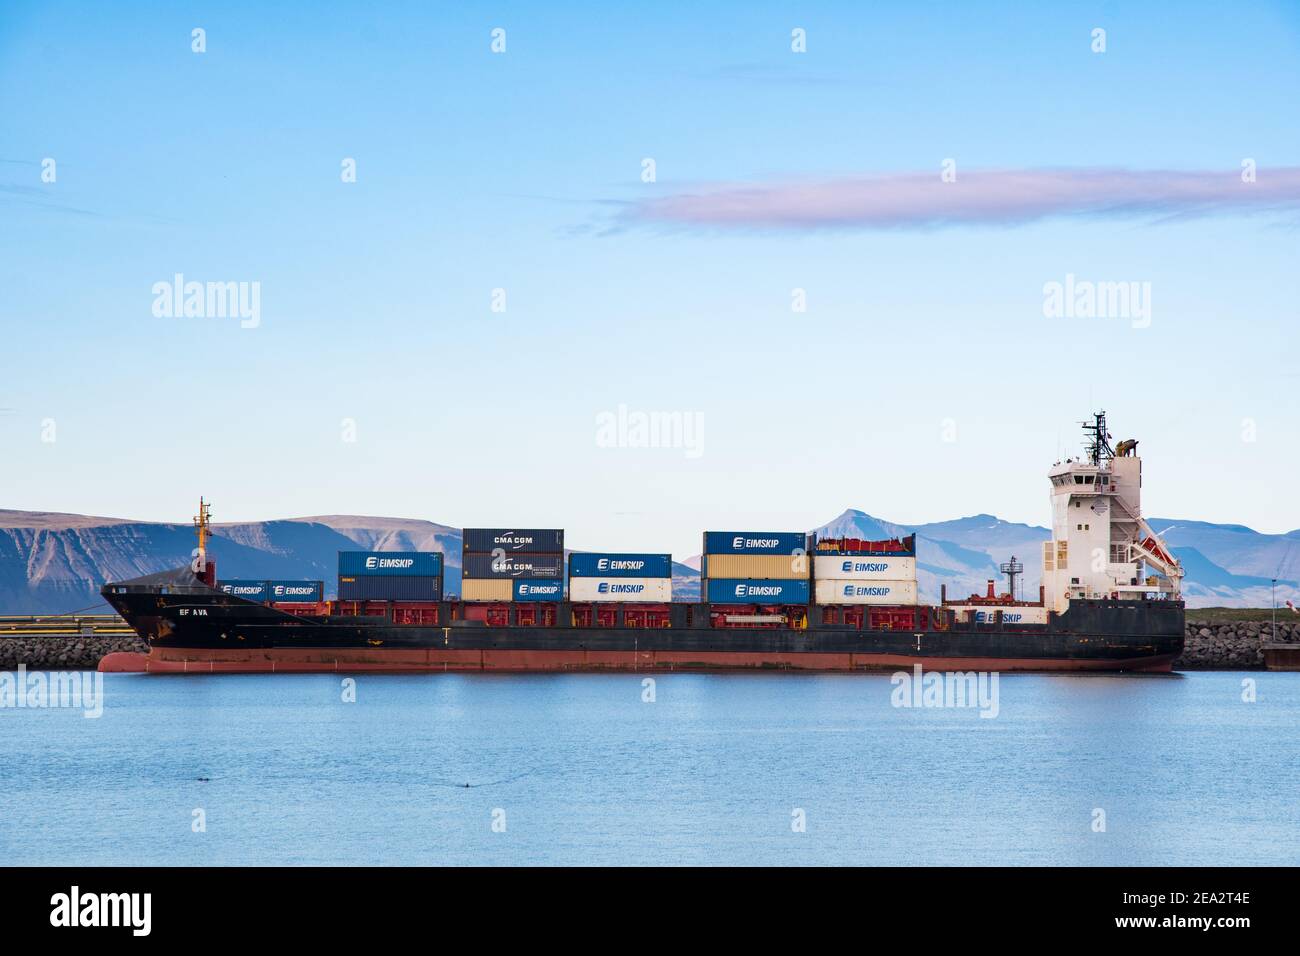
(1098, 439)
(1012, 569)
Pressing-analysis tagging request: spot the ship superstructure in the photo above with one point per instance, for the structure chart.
(1101, 545)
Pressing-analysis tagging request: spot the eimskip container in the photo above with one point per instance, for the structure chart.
(853, 567)
(295, 592)
(248, 590)
(605, 565)
(755, 542)
(538, 590)
(653, 590)
(737, 591)
(415, 563)
(866, 592)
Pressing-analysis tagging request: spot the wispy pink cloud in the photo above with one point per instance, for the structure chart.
(1004, 197)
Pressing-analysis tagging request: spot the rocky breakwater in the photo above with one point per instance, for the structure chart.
(1237, 645)
(52, 653)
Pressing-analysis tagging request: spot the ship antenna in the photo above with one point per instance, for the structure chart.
(201, 528)
(1011, 569)
(1098, 439)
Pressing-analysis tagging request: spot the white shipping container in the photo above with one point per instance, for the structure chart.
(866, 592)
(860, 567)
(652, 590)
(1010, 615)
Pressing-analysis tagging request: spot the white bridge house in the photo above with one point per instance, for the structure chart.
(1101, 546)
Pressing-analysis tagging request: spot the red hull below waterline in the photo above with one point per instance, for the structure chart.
(294, 661)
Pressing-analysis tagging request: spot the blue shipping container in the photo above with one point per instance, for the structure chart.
(397, 563)
(295, 592)
(248, 590)
(390, 587)
(744, 591)
(621, 565)
(539, 590)
(754, 542)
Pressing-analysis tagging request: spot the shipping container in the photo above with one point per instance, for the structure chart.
(414, 563)
(754, 566)
(593, 565)
(866, 592)
(621, 589)
(538, 589)
(296, 592)
(738, 591)
(522, 540)
(858, 567)
(512, 565)
(1010, 615)
(755, 542)
(905, 546)
(248, 590)
(486, 589)
(387, 587)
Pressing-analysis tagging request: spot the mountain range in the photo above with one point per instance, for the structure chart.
(52, 562)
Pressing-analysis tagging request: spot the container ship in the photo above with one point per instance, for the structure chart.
(1110, 600)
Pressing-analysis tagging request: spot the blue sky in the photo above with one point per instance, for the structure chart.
(522, 171)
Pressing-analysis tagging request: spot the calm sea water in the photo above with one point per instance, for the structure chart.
(582, 771)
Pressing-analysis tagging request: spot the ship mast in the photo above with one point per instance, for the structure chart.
(1099, 439)
(201, 521)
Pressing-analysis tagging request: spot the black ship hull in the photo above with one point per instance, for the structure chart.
(197, 629)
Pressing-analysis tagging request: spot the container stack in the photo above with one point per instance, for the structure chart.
(390, 576)
(276, 592)
(755, 567)
(621, 577)
(858, 571)
(501, 564)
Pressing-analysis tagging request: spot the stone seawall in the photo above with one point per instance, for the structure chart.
(63, 652)
(1235, 646)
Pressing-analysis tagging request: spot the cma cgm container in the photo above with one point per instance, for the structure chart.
(248, 590)
(745, 591)
(866, 592)
(755, 542)
(859, 567)
(295, 592)
(513, 566)
(591, 565)
(521, 540)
